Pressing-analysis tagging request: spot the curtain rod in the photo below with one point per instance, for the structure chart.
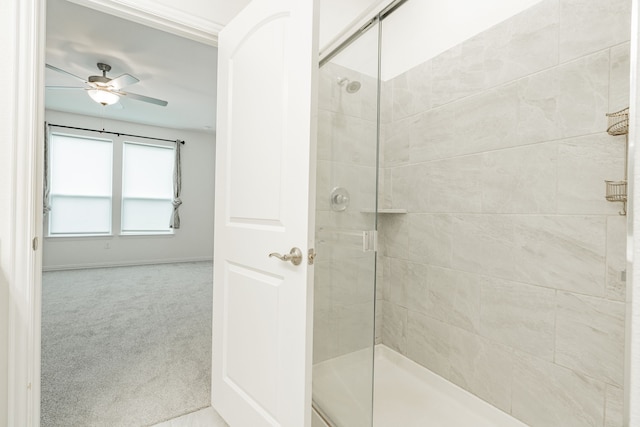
(115, 133)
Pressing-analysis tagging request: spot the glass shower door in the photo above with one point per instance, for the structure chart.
(345, 268)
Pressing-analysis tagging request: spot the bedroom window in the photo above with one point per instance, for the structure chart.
(80, 185)
(147, 188)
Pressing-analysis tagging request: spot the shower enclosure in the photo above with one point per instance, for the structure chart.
(345, 267)
(468, 152)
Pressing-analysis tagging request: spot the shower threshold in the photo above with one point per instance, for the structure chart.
(405, 394)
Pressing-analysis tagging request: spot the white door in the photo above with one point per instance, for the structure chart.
(265, 189)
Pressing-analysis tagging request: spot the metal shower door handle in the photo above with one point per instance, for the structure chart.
(295, 256)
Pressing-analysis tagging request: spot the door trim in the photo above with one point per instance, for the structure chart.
(160, 17)
(25, 213)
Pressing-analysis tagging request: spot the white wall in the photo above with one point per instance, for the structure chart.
(442, 25)
(193, 241)
(421, 29)
(336, 16)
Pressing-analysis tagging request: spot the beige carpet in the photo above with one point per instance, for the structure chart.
(125, 346)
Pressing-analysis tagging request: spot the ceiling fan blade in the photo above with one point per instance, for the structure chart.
(122, 81)
(143, 98)
(63, 87)
(60, 70)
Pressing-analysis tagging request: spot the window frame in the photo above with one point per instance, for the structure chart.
(52, 195)
(122, 232)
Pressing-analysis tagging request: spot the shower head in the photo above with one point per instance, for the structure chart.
(351, 86)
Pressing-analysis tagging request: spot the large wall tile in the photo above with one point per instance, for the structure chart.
(364, 197)
(590, 336)
(488, 121)
(619, 91)
(322, 286)
(522, 45)
(548, 395)
(590, 25)
(562, 252)
(383, 272)
(539, 111)
(584, 163)
(614, 407)
(518, 315)
(432, 135)
(584, 94)
(482, 366)
(394, 327)
(616, 257)
(428, 343)
(484, 244)
(323, 184)
(407, 187)
(325, 339)
(458, 72)
(328, 89)
(379, 320)
(384, 188)
(452, 185)
(352, 280)
(520, 180)
(398, 282)
(430, 239)
(417, 290)
(354, 140)
(356, 327)
(325, 135)
(396, 142)
(412, 91)
(386, 101)
(395, 236)
(454, 297)
(368, 96)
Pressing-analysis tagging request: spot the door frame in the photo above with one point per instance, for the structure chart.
(23, 267)
(24, 248)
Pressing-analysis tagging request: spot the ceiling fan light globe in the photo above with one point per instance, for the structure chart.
(103, 97)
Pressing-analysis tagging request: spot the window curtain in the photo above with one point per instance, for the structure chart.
(177, 188)
(46, 208)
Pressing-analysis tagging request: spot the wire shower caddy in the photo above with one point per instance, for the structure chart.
(618, 124)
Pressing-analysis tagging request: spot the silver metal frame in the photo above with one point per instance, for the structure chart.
(388, 10)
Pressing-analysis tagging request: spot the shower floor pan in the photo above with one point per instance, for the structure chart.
(406, 394)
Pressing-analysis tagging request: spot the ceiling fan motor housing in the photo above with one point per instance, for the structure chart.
(99, 79)
(103, 79)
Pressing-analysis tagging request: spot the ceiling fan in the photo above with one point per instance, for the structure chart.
(105, 90)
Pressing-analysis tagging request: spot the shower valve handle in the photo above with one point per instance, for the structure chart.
(295, 256)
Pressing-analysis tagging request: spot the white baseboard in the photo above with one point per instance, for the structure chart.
(123, 263)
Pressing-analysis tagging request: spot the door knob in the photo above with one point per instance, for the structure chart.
(295, 256)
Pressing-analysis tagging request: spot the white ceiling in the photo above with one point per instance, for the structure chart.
(180, 71)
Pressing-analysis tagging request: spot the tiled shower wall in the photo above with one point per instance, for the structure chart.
(505, 274)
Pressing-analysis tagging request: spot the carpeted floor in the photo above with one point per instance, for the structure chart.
(125, 346)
